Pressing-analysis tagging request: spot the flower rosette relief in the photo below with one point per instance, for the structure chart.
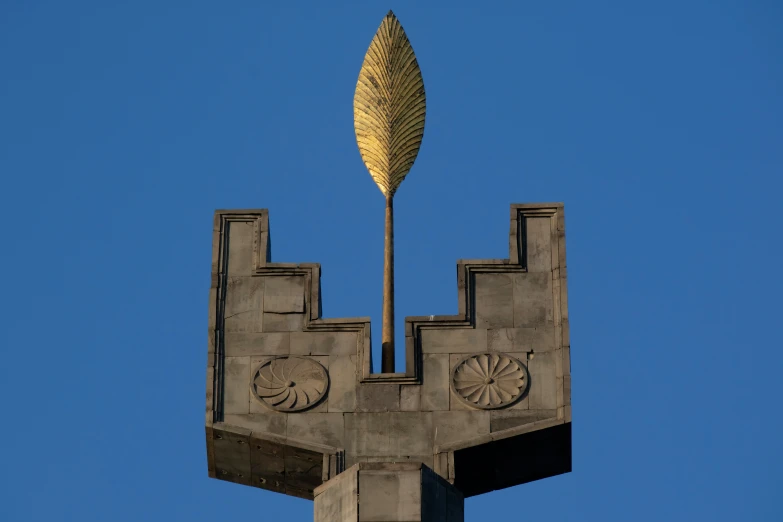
(490, 380)
(289, 383)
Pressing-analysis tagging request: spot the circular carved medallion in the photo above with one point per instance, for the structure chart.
(289, 383)
(489, 380)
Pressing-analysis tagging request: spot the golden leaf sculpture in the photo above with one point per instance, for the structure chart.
(388, 117)
(389, 106)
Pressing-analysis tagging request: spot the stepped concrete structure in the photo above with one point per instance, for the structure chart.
(484, 402)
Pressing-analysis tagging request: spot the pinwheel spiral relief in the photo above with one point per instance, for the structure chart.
(489, 380)
(289, 384)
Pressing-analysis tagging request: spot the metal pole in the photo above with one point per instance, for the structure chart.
(387, 334)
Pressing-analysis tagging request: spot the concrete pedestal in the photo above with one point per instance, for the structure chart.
(388, 492)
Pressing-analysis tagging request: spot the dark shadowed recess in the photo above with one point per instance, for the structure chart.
(513, 461)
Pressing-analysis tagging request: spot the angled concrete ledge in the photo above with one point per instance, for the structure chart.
(499, 435)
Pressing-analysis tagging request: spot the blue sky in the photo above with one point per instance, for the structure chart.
(124, 125)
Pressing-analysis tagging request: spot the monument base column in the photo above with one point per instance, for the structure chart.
(388, 492)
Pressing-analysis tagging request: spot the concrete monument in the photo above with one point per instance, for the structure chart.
(484, 402)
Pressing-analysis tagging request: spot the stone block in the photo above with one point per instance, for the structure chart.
(506, 419)
(435, 382)
(284, 294)
(324, 343)
(410, 356)
(244, 301)
(236, 397)
(247, 343)
(338, 499)
(457, 405)
(322, 406)
(388, 434)
(256, 405)
(283, 322)
(210, 395)
(303, 472)
(454, 426)
(559, 388)
(270, 422)
(386, 492)
(541, 339)
(390, 495)
(494, 300)
(232, 456)
(240, 247)
(533, 300)
(410, 398)
(455, 340)
(320, 428)
(378, 397)
(539, 243)
(269, 474)
(267, 465)
(427, 460)
(211, 341)
(342, 383)
(542, 393)
(454, 402)
(212, 316)
(283, 468)
(299, 493)
(261, 447)
(441, 464)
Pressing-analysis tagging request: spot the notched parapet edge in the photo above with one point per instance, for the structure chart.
(466, 271)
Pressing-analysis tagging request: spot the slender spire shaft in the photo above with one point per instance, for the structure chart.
(389, 108)
(387, 334)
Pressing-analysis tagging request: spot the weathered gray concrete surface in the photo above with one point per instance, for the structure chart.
(509, 310)
(388, 492)
(338, 499)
